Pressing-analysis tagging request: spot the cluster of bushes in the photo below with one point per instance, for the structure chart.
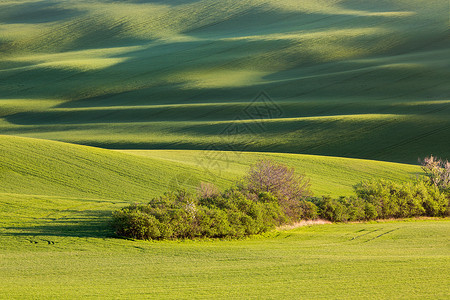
(384, 200)
(270, 195)
(273, 194)
(182, 215)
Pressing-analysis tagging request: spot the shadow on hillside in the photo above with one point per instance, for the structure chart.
(95, 224)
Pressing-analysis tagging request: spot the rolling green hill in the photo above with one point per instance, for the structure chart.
(54, 189)
(55, 241)
(104, 103)
(361, 79)
(50, 187)
(48, 168)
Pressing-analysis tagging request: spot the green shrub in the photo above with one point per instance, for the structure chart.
(355, 207)
(411, 199)
(309, 210)
(331, 209)
(386, 199)
(134, 223)
(180, 215)
(274, 195)
(370, 211)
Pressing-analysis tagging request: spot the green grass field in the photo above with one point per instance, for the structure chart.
(40, 167)
(104, 103)
(55, 240)
(359, 79)
(402, 260)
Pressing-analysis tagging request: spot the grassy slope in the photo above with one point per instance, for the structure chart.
(329, 175)
(367, 77)
(55, 242)
(350, 78)
(40, 167)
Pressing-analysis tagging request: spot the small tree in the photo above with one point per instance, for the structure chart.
(438, 171)
(267, 176)
(278, 179)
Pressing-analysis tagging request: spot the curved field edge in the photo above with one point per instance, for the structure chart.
(329, 175)
(39, 167)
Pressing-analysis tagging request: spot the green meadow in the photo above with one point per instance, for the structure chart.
(360, 79)
(56, 240)
(402, 260)
(105, 103)
(41, 167)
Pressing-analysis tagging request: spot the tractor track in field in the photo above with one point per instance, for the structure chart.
(367, 234)
(359, 236)
(383, 234)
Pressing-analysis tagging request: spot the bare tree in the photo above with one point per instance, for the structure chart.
(278, 179)
(437, 170)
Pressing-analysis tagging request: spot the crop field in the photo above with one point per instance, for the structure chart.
(361, 79)
(105, 103)
(71, 260)
(74, 170)
(56, 241)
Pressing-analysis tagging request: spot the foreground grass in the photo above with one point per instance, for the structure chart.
(376, 260)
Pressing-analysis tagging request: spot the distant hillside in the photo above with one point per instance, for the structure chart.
(352, 78)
